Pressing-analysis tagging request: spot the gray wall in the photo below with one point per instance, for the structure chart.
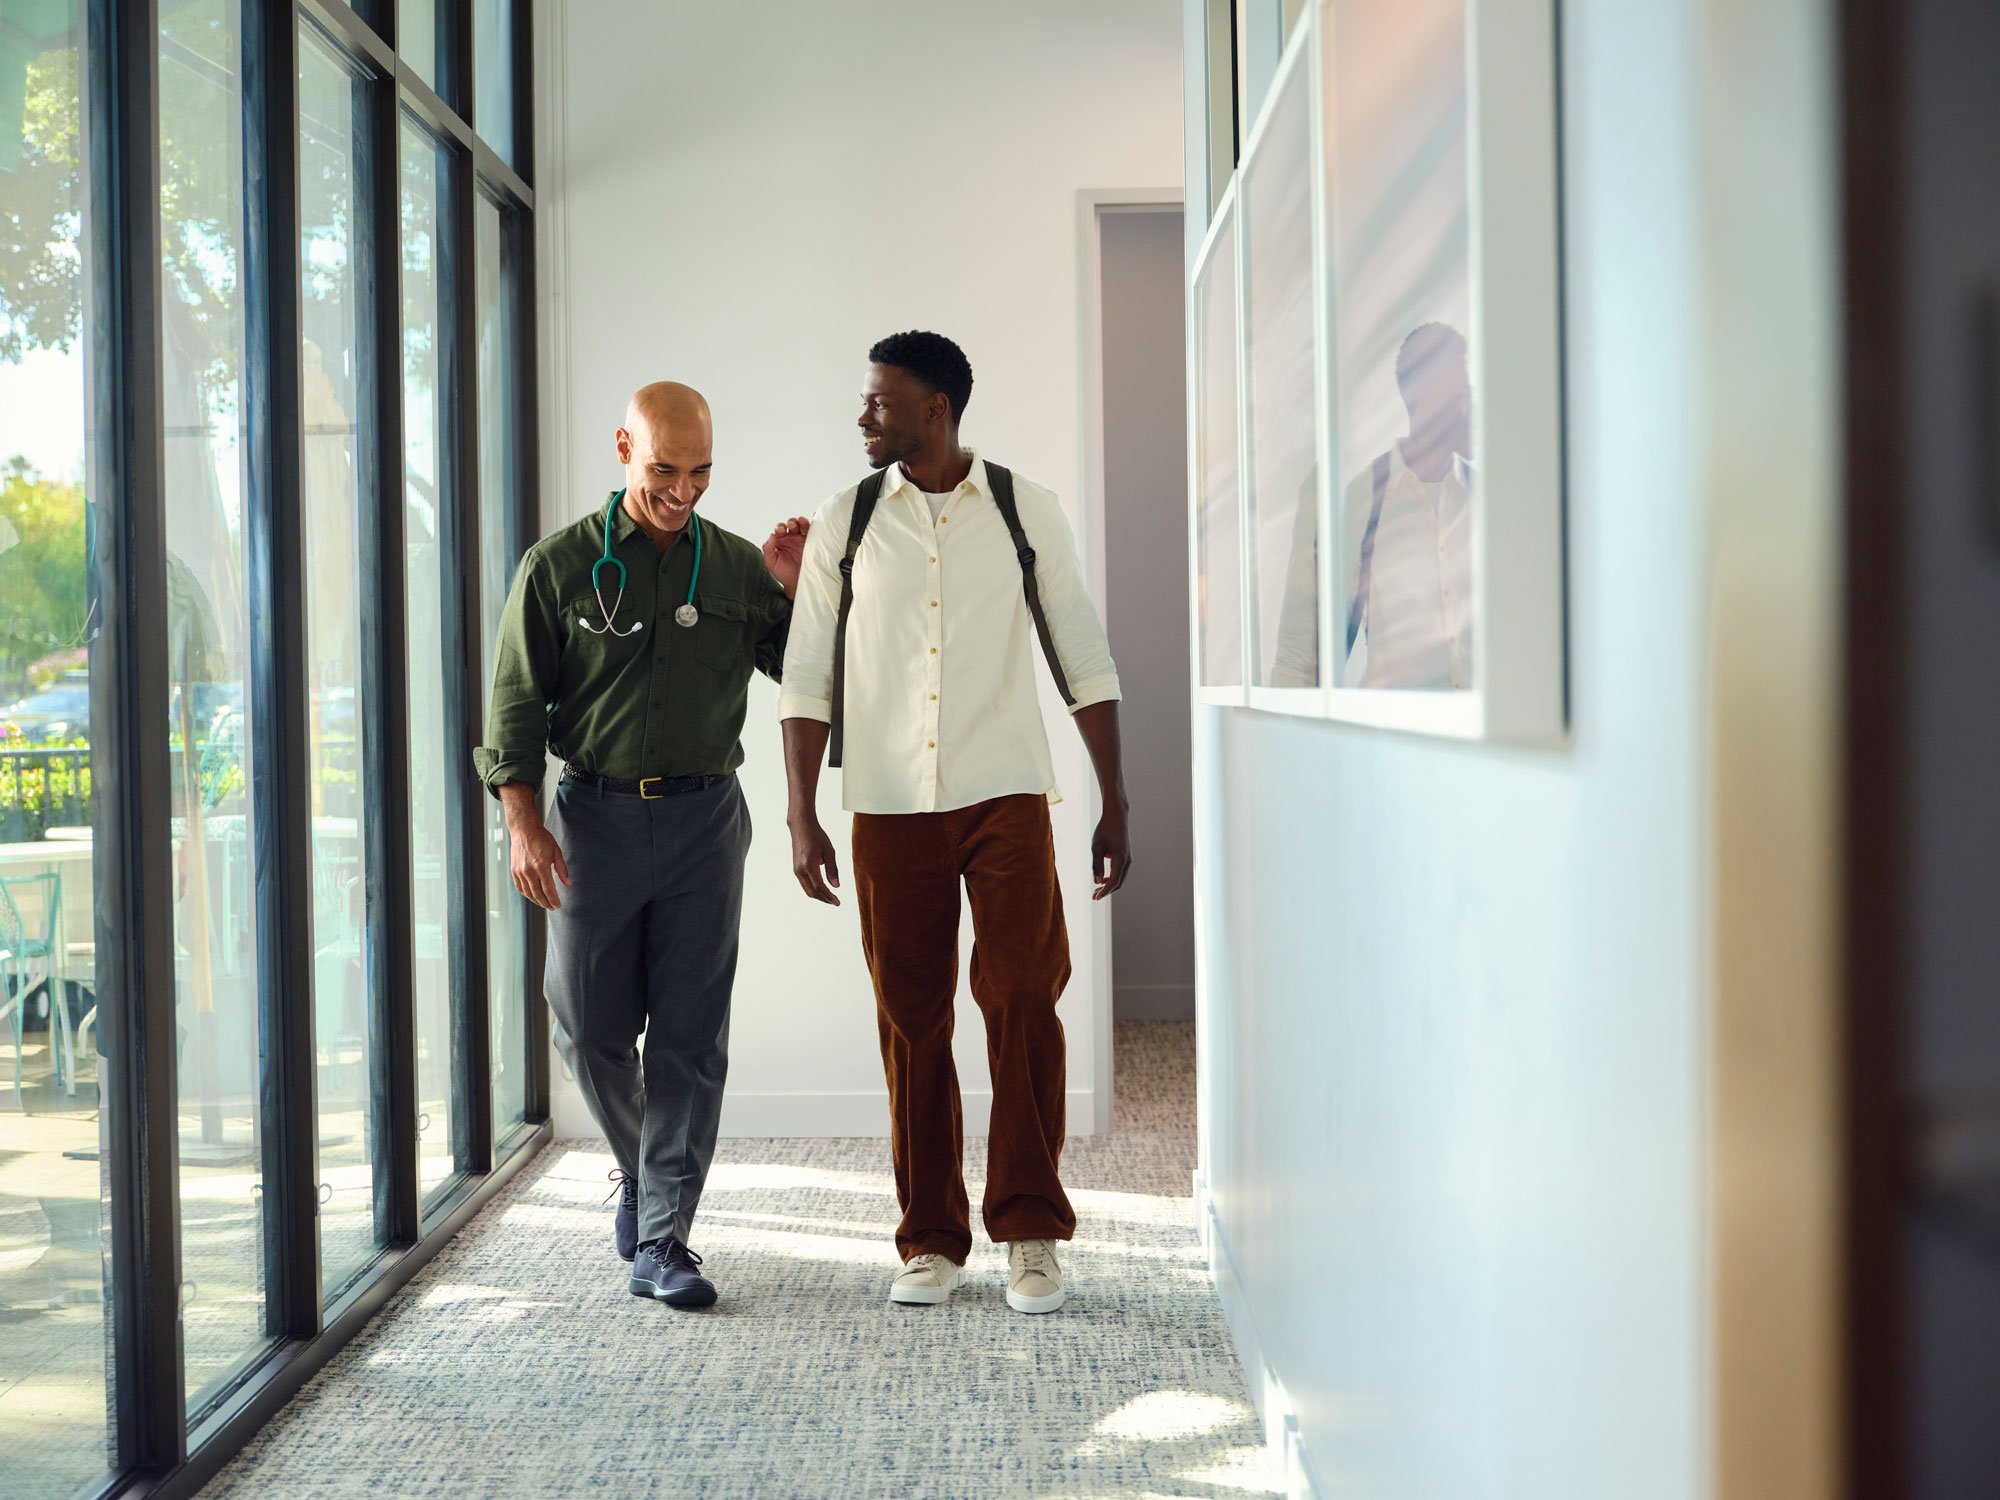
(1146, 611)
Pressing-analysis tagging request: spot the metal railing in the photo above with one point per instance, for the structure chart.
(43, 788)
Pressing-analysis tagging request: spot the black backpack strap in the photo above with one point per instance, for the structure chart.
(1003, 496)
(865, 496)
(1378, 478)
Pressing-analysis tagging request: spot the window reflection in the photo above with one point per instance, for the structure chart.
(493, 74)
(506, 912)
(328, 107)
(208, 712)
(1401, 258)
(54, 1266)
(435, 762)
(1283, 478)
(1218, 519)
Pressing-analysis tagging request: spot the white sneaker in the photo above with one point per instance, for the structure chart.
(1034, 1280)
(926, 1280)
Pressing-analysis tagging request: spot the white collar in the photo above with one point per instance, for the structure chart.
(1461, 467)
(975, 479)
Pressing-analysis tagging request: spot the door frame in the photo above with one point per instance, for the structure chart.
(1092, 204)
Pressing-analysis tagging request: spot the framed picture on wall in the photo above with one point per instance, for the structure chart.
(1439, 335)
(1214, 482)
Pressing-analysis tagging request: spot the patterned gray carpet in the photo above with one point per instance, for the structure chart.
(517, 1363)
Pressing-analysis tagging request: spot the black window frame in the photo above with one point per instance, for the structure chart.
(158, 1447)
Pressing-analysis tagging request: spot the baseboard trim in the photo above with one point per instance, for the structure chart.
(761, 1114)
(1267, 1390)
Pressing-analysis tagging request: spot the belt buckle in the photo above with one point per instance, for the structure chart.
(646, 796)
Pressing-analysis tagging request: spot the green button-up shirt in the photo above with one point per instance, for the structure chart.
(665, 700)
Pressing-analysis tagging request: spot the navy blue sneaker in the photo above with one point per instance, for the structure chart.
(665, 1270)
(625, 1223)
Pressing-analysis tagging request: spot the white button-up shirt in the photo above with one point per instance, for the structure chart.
(1418, 626)
(941, 709)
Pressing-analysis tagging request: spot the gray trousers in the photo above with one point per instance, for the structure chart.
(645, 940)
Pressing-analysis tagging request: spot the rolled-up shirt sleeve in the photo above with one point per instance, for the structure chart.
(808, 684)
(1078, 634)
(525, 660)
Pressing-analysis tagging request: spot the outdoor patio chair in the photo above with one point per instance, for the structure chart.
(44, 951)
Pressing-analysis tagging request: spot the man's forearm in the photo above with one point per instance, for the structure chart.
(1098, 724)
(521, 806)
(805, 749)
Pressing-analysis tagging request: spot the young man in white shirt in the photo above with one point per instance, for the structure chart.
(1408, 524)
(928, 695)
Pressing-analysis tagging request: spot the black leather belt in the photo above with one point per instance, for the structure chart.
(651, 788)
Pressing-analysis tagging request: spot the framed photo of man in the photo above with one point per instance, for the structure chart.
(1440, 328)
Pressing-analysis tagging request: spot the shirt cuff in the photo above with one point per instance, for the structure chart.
(496, 768)
(1096, 690)
(801, 706)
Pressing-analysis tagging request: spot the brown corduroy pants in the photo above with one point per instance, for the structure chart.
(907, 869)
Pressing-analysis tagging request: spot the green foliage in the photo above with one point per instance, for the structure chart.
(44, 598)
(33, 788)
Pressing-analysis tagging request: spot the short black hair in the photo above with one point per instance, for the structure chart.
(933, 359)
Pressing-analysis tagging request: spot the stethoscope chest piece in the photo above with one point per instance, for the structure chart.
(686, 615)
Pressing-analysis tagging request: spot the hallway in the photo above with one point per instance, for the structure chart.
(516, 1364)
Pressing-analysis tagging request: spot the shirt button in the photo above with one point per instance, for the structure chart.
(934, 561)
(933, 697)
(933, 604)
(933, 744)
(933, 651)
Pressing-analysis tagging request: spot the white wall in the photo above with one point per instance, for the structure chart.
(1456, 1055)
(745, 196)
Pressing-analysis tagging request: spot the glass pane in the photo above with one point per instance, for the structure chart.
(416, 36)
(208, 709)
(506, 914)
(329, 107)
(493, 74)
(434, 761)
(1403, 400)
(1218, 512)
(54, 1324)
(1282, 408)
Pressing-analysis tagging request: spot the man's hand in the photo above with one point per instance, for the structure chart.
(537, 862)
(538, 865)
(1110, 852)
(784, 550)
(812, 853)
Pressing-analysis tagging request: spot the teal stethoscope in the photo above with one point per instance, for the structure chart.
(685, 615)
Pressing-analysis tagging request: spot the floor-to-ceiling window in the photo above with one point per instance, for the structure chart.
(265, 392)
(55, 1271)
(206, 712)
(434, 764)
(497, 269)
(330, 335)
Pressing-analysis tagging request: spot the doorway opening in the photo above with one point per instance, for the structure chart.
(1135, 339)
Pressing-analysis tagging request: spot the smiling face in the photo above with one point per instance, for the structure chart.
(667, 449)
(898, 413)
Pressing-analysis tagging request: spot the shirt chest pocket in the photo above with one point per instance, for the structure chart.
(607, 632)
(722, 634)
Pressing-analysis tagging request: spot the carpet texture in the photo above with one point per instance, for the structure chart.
(517, 1364)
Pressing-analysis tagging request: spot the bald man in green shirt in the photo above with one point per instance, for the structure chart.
(626, 650)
